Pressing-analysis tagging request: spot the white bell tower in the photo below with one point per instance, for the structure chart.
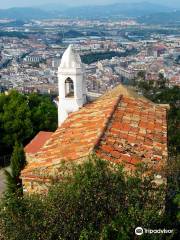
(72, 84)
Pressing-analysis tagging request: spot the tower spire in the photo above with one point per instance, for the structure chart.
(72, 85)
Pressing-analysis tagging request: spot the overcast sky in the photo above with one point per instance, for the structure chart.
(23, 3)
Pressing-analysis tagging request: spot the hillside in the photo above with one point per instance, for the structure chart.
(113, 10)
(24, 13)
(161, 18)
(122, 10)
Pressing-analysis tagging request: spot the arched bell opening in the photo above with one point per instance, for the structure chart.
(69, 88)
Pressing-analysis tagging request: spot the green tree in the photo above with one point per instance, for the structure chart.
(141, 75)
(97, 200)
(43, 113)
(161, 81)
(22, 218)
(22, 117)
(18, 162)
(3, 147)
(16, 119)
(177, 202)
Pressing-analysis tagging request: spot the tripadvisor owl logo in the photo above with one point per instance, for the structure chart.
(139, 231)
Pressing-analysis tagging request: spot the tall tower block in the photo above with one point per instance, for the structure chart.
(72, 84)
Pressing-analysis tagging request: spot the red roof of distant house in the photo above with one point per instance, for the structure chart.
(35, 145)
(160, 47)
(175, 78)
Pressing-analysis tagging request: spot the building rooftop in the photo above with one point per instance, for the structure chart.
(35, 145)
(120, 127)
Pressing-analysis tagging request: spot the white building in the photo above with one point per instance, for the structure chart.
(72, 84)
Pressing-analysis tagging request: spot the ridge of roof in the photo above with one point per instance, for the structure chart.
(96, 116)
(121, 113)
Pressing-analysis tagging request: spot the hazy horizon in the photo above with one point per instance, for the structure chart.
(27, 3)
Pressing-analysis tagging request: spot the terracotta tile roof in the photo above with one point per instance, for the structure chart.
(35, 145)
(137, 132)
(120, 127)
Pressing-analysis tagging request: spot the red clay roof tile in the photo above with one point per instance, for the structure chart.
(35, 145)
(118, 127)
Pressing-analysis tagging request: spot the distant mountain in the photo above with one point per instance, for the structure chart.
(53, 7)
(25, 13)
(119, 9)
(161, 18)
(113, 10)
